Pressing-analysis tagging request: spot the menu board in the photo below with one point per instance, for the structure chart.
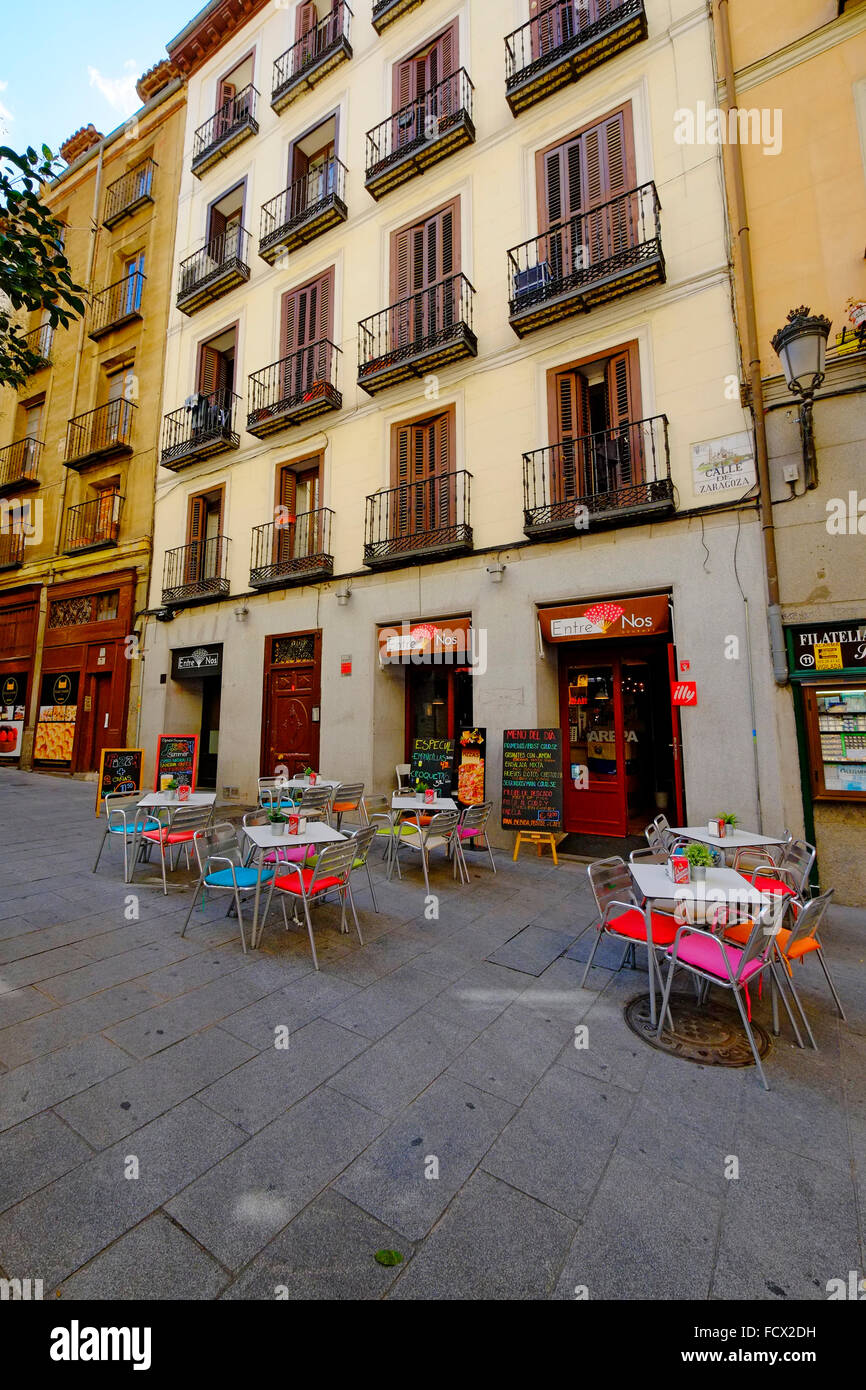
(433, 763)
(120, 770)
(532, 779)
(471, 759)
(13, 712)
(176, 756)
(58, 709)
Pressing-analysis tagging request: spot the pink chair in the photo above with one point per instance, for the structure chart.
(473, 826)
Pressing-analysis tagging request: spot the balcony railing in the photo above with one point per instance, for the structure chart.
(591, 259)
(386, 11)
(312, 57)
(126, 195)
(100, 433)
(220, 265)
(304, 210)
(120, 303)
(233, 122)
(19, 464)
(419, 519)
(11, 548)
(93, 525)
(297, 551)
(295, 389)
(201, 428)
(609, 477)
(429, 329)
(195, 571)
(430, 128)
(40, 341)
(564, 41)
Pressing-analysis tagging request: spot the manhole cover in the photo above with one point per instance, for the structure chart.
(709, 1034)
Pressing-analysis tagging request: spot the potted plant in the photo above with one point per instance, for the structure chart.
(171, 787)
(420, 789)
(727, 823)
(277, 820)
(700, 859)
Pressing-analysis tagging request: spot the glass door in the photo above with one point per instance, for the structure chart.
(595, 775)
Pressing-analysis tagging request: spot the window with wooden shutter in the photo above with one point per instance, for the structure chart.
(425, 261)
(423, 475)
(422, 93)
(625, 462)
(573, 426)
(553, 23)
(581, 202)
(595, 413)
(306, 332)
(195, 524)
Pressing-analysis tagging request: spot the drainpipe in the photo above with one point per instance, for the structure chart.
(753, 354)
(79, 351)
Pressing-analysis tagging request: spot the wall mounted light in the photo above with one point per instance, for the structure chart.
(496, 572)
(343, 595)
(242, 613)
(802, 349)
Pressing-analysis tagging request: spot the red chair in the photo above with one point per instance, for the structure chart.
(621, 915)
(310, 886)
(180, 831)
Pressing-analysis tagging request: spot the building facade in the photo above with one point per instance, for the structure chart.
(800, 71)
(453, 431)
(78, 450)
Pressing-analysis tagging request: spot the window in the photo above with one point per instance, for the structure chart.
(225, 221)
(425, 262)
(581, 184)
(118, 387)
(425, 87)
(836, 729)
(306, 332)
(422, 467)
(312, 167)
(133, 274)
(594, 410)
(299, 521)
(204, 539)
(32, 414)
(216, 366)
(234, 96)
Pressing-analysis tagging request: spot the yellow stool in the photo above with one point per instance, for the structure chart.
(539, 838)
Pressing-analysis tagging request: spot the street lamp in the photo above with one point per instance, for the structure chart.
(802, 349)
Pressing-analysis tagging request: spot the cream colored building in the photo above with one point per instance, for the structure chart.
(539, 413)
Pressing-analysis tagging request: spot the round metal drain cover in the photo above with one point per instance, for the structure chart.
(709, 1034)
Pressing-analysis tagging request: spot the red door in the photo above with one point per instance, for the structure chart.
(595, 792)
(292, 699)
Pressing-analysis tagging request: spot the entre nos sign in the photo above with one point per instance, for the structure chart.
(620, 617)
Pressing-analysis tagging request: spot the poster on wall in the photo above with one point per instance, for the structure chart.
(432, 763)
(471, 761)
(120, 770)
(724, 465)
(532, 779)
(58, 710)
(13, 713)
(176, 757)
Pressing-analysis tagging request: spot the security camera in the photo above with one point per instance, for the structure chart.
(164, 615)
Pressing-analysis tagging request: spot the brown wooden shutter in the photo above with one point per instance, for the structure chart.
(195, 536)
(572, 424)
(306, 19)
(213, 374)
(622, 411)
(285, 532)
(217, 232)
(399, 518)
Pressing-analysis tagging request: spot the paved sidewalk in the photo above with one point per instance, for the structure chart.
(155, 1142)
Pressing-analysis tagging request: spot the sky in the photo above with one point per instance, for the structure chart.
(63, 65)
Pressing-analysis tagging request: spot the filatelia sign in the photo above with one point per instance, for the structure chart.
(196, 661)
(830, 648)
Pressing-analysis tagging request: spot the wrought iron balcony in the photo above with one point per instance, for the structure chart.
(220, 265)
(116, 305)
(303, 211)
(93, 525)
(564, 41)
(608, 478)
(100, 433)
(386, 11)
(428, 330)
(297, 551)
(591, 259)
(418, 520)
(195, 571)
(233, 122)
(417, 136)
(126, 195)
(312, 57)
(40, 341)
(201, 428)
(19, 464)
(295, 389)
(11, 548)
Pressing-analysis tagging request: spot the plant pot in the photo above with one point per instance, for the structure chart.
(698, 873)
(277, 829)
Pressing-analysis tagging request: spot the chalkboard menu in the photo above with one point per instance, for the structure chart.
(532, 779)
(120, 770)
(433, 763)
(176, 756)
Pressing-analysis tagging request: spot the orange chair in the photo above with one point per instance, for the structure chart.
(349, 796)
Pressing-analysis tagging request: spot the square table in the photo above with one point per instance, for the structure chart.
(412, 803)
(737, 839)
(719, 886)
(262, 836)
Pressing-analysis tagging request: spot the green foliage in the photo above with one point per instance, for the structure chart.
(389, 1257)
(729, 818)
(34, 272)
(700, 856)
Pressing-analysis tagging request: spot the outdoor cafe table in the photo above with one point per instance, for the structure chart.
(262, 836)
(164, 801)
(720, 886)
(737, 839)
(421, 808)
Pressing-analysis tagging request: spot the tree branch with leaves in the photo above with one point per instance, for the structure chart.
(34, 272)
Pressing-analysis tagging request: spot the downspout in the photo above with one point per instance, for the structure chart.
(750, 326)
(76, 366)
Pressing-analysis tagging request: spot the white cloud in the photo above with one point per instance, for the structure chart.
(5, 113)
(119, 92)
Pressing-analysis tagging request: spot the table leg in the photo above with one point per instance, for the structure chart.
(651, 962)
(261, 858)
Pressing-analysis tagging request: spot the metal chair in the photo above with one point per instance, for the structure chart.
(666, 835)
(219, 845)
(274, 795)
(124, 819)
(472, 825)
(613, 888)
(789, 873)
(349, 796)
(439, 834)
(404, 777)
(180, 830)
(316, 803)
(331, 871)
(289, 854)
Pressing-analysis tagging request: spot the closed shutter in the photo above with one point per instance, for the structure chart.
(424, 263)
(553, 23)
(626, 443)
(195, 540)
(305, 32)
(423, 468)
(216, 240)
(567, 465)
(225, 107)
(285, 531)
(306, 331)
(578, 180)
(420, 80)
(213, 371)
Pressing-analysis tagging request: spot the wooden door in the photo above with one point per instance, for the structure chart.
(567, 481)
(97, 733)
(305, 34)
(581, 198)
(621, 463)
(422, 94)
(298, 531)
(290, 727)
(225, 106)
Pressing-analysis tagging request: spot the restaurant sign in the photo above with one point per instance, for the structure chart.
(620, 617)
(817, 648)
(445, 641)
(189, 662)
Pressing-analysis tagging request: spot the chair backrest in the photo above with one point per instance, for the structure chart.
(187, 818)
(809, 918)
(476, 817)
(362, 840)
(403, 778)
(767, 926)
(444, 823)
(799, 856)
(611, 880)
(257, 817)
(654, 839)
(220, 839)
(376, 805)
(123, 801)
(335, 861)
(668, 838)
(348, 795)
(316, 799)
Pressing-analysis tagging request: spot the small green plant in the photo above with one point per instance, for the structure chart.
(307, 770)
(729, 818)
(700, 856)
(421, 785)
(172, 785)
(276, 817)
